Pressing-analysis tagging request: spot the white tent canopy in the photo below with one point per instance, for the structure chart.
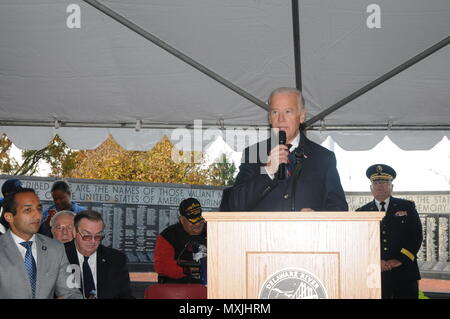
(103, 78)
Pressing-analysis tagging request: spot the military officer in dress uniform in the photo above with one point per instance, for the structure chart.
(401, 236)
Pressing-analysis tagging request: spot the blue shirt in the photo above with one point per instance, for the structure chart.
(76, 208)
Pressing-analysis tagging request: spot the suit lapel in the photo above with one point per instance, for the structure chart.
(72, 257)
(71, 252)
(101, 271)
(42, 264)
(14, 254)
(373, 206)
(304, 149)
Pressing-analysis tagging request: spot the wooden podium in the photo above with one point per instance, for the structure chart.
(294, 255)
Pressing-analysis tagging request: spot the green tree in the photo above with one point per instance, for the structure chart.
(57, 154)
(222, 171)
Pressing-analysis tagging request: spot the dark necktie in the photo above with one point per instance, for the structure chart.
(291, 162)
(30, 265)
(382, 207)
(88, 280)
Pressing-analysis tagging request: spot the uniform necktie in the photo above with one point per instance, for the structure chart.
(382, 207)
(88, 280)
(291, 162)
(30, 265)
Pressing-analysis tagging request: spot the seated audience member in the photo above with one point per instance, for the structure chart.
(62, 198)
(32, 266)
(9, 186)
(104, 271)
(62, 226)
(181, 248)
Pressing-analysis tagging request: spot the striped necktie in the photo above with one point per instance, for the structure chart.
(291, 162)
(30, 265)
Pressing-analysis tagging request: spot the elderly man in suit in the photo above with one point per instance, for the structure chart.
(32, 266)
(104, 272)
(401, 236)
(312, 181)
(62, 226)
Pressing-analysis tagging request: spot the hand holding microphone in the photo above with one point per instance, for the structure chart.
(278, 158)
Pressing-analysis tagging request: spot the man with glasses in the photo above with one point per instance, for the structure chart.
(62, 225)
(103, 270)
(401, 235)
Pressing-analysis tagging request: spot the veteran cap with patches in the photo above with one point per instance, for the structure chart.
(191, 209)
(380, 172)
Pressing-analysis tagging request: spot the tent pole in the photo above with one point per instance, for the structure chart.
(210, 125)
(180, 55)
(422, 55)
(296, 34)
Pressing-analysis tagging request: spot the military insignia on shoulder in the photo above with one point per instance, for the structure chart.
(401, 213)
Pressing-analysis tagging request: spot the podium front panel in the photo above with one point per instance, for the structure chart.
(300, 258)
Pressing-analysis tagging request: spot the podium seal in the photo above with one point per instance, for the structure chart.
(293, 283)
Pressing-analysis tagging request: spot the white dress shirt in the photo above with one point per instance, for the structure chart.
(92, 261)
(386, 201)
(294, 144)
(22, 249)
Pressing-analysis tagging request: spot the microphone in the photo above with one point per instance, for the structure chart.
(281, 174)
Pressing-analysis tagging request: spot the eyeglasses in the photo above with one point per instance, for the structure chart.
(61, 228)
(97, 237)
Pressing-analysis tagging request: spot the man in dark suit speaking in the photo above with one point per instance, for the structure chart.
(104, 272)
(312, 182)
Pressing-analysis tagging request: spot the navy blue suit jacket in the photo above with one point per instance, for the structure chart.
(401, 236)
(317, 184)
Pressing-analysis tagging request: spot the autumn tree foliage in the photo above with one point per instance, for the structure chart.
(7, 164)
(162, 164)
